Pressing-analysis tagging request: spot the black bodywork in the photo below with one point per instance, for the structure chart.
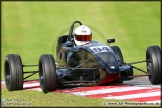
(91, 63)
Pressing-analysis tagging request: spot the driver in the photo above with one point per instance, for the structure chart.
(82, 35)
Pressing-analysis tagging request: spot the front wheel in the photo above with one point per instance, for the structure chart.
(153, 56)
(47, 73)
(13, 71)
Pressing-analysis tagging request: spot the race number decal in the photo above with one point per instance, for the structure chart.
(99, 49)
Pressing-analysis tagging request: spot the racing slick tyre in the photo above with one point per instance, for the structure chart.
(13, 72)
(47, 73)
(153, 57)
(118, 54)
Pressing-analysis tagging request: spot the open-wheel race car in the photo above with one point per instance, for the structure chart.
(90, 64)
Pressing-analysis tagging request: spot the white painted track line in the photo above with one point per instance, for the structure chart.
(109, 90)
(157, 93)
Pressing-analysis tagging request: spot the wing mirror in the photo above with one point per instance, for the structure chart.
(110, 40)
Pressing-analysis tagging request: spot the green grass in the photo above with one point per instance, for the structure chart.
(54, 99)
(31, 29)
(57, 99)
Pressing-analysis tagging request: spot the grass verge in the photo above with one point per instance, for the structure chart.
(55, 99)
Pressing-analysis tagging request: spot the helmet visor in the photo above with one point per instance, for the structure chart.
(83, 37)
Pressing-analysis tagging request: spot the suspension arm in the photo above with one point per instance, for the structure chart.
(137, 62)
(29, 65)
(130, 64)
(31, 74)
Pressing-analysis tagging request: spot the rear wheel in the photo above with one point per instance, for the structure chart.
(118, 54)
(13, 72)
(153, 55)
(47, 73)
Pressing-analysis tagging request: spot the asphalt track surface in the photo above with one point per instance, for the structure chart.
(140, 81)
(139, 90)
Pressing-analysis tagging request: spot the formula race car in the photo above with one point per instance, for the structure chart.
(87, 65)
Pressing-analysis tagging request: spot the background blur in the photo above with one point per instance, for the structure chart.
(32, 28)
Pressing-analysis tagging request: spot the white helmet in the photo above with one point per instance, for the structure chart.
(82, 35)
